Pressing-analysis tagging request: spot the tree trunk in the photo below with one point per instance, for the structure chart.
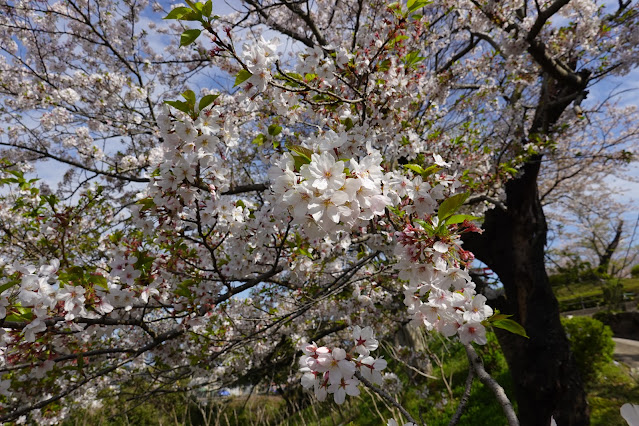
(604, 259)
(546, 379)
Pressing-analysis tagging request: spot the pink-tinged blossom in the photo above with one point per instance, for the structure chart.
(37, 325)
(472, 332)
(440, 247)
(365, 341)
(72, 296)
(440, 161)
(342, 388)
(371, 369)
(337, 365)
(148, 292)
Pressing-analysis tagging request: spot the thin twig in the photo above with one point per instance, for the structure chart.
(464, 399)
(386, 397)
(477, 365)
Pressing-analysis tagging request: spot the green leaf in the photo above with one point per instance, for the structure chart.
(207, 9)
(384, 65)
(413, 58)
(179, 105)
(194, 15)
(259, 139)
(414, 167)
(189, 36)
(510, 325)
(299, 162)
(274, 130)
(7, 286)
(459, 218)
(178, 12)
(497, 316)
(24, 314)
(189, 95)
(295, 75)
(348, 122)
(146, 203)
(305, 153)
(430, 170)
(413, 5)
(393, 42)
(206, 101)
(423, 224)
(423, 172)
(451, 205)
(305, 253)
(99, 280)
(241, 77)
(14, 318)
(183, 291)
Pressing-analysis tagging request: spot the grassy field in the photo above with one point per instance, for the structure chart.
(571, 296)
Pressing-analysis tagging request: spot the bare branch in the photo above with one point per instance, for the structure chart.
(464, 399)
(386, 397)
(477, 365)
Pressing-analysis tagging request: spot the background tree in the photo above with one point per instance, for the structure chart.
(594, 231)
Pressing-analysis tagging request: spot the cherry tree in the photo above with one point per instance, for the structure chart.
(286, 173)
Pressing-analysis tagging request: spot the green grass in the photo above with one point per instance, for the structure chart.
(614, 387)
(570, 295)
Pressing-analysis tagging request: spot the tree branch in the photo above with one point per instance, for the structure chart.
(386, 397)
(477, 365)
(464, 399)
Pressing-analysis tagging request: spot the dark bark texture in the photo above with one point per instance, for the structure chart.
(546, 379)
(547, 382)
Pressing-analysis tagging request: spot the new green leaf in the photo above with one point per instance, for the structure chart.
(510, 325)
(274, 130)
(413, 5)
(241, 77)
(459, 218)
(179, 105)
(189, 36)
(207, 9)
(301, 151)
(178, 12)
(206, 101)
(451, 205)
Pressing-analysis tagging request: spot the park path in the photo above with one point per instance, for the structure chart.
(627, 351)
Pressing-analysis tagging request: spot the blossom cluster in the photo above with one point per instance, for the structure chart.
(333, 370)
(440, 293)
(193, 150)
(258, 58)
(330, 192)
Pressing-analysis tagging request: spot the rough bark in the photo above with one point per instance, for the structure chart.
(546, 379)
